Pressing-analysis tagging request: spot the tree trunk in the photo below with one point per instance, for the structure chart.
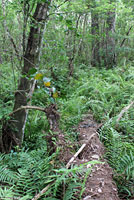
(95, 60)
(108, 48)
(71, 47)
(13, 132)
(103, 52)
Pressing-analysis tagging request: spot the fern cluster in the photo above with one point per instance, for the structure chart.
(24, 174)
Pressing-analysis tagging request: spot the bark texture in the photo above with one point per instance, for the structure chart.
(13, 133)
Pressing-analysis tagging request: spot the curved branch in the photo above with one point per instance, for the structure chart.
(27, 108)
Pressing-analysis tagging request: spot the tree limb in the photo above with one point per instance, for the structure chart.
(18, 55)
(62, 3)
(123, 41)
(27, 108)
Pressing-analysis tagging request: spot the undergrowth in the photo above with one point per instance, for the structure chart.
(24, 174)
(104, 93)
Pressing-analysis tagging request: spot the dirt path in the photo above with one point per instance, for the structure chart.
(99, 184)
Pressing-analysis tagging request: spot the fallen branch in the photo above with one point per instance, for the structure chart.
(123, 111)
(79, 151)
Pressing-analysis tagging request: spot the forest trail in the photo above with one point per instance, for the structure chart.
(99, 183)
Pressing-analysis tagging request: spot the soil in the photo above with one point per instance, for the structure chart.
(99, 184)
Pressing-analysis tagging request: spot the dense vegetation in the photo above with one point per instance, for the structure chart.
(80, 81)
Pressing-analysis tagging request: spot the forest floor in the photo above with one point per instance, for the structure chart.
(99, 183)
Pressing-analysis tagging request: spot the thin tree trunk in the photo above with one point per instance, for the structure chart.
(81, 52)
(109, 44)
(103, 52)
(8, 32)
(72, 56)
(25, 18)
(95, 60)
(13, 133)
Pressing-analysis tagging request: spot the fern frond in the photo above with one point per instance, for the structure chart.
(128, 165)
(71, 191)
(7, 175)
(6, 193)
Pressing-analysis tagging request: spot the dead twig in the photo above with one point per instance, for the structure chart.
(79, 151)
(123, 111)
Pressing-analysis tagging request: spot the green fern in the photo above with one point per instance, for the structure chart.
(27, 173)
(7, 175)
(6, 193)
(128, 165)
(71, 190)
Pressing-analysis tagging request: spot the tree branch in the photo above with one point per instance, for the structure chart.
(123, 41)
(27, 108)
(4, 50)
(62, 3)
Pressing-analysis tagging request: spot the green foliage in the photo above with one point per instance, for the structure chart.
(37, 124)
(7, 175)
(6, 193)
(27, 173)
(104, 92)
(7, 87)
(128, 165)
